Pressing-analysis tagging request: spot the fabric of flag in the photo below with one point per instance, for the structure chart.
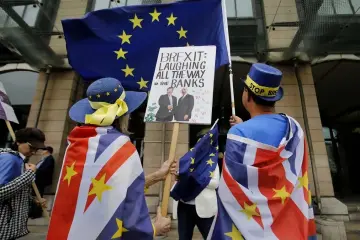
(124, 42)
(6, 110)
(100, 194)
(264, 191)
(197, 167)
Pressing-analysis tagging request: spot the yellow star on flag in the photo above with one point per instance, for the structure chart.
(281, 193)
(192, 160)
(212, 174)
(182, 33)
(120, 230)
(125, 38)
(211, 135)
(136, 21)
(191, 149)
(99, 187)
(171, 19)
(249, 210)
(188, 45)
(155, 15)
(212, 155)
(70, 172)
(107, 94)
(217, 148)
(234, 234)
(191, 169)
(304, 181)
(142, 83)
(120, 53)
(128, 71)
(210, 162)
(211, 141)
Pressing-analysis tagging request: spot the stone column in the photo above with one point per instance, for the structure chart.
(63, 89)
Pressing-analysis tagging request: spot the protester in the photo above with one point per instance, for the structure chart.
(111, 173)
(45, 170)
(15, 182)
(264, 186)
(196, 186)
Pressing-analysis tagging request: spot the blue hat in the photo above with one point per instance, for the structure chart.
(106, 100)
(264, 81)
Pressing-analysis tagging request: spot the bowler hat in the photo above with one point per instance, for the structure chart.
(264, 81)
(106, 100)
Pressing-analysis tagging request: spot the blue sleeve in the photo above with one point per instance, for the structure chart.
(10, 168)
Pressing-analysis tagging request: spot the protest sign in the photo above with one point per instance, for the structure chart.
(182, 86)
(6, 111)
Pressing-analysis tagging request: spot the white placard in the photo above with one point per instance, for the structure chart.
(6, 110)
(182, 86)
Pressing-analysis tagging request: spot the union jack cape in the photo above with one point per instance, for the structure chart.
(264, 191)
(100, 194)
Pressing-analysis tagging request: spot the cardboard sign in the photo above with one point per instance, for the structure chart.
(6, 110)
(182, 87)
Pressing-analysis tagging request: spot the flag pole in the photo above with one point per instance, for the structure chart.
(36, 190)
(167, 185)
(214, 124)
(227, 41)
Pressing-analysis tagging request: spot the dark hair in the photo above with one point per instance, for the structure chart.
(170, 88)
(49, 149)
(258, 100)
(29, 134)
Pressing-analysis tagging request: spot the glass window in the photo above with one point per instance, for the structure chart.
(342, 7)
(356, 5)
(30, 14)
(326, 9)
(239, 8)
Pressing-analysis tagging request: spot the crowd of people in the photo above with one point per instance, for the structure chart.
(16, 173)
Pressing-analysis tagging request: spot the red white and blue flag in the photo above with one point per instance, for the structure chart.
(264, 191)
(100, 194)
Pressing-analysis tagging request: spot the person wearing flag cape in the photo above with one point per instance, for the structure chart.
(100, 194)
(195, 189)
(16, 177)
(264, 188)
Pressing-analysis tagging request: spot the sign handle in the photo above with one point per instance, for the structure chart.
(167, 185)
(36, 190)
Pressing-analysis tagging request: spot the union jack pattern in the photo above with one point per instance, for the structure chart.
(264, 191)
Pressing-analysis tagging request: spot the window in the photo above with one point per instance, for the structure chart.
(103, 4)
(339, 7)
(234, 8)
(239, 8)
(39, 15)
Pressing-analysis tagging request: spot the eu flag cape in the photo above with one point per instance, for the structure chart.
(100, 194)
(124, 42)
(197, 167)
(264, 191)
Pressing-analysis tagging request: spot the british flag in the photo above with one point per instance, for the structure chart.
(264, 191)
(100, 194)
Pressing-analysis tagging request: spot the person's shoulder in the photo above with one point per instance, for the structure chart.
(10, 159)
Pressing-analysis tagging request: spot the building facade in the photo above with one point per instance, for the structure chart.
(292, 35)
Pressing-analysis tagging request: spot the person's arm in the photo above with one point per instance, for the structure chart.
(162, 102)
(10, 189)
(160, 174)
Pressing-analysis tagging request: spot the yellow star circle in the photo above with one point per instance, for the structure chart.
(142, 83)
(171, 19)
(125, 38)
(182, 33)
(120, 53)
(128, 71)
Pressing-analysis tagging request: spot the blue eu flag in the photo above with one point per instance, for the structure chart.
(197, 167)
(124, 42)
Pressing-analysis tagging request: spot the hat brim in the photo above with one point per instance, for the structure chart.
(277, 97)
(80, 109)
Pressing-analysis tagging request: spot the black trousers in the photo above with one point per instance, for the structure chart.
(188, 219)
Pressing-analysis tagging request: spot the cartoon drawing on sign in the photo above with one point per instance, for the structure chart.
(182, 85)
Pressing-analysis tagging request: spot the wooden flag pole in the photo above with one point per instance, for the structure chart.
(167, 185)
(36, 190)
